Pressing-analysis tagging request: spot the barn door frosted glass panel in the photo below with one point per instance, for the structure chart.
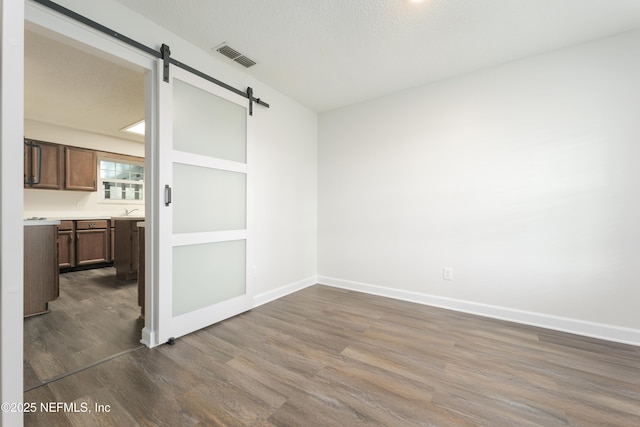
(215, 272)
(207, 124)
(216, 202)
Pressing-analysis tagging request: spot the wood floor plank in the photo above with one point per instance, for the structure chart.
(148, 395)
(73, 387)
(101, 413)
(326, 343)
(96, 316)
(332, 357)
(39, 417)
(382, 395)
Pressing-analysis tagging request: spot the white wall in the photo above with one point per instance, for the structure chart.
(284, 175)
(59, 204)
(523, 178)
(78, 138)
(283, 165)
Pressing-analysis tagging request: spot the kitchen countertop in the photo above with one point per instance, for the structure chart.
(88, 217)
(44, 221)
(78, 217)
(31, 221)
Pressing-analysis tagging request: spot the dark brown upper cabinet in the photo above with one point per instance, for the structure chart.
(81, 169)
(43, 165)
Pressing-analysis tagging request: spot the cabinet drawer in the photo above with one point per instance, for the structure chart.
(91, 224)
(65, 225)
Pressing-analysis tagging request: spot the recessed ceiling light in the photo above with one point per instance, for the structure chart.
(137, 127)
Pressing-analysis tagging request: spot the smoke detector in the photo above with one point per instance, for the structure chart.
(234, 55)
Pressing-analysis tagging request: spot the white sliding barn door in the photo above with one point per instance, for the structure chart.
(203, 133)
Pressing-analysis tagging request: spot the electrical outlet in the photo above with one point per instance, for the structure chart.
(447, 273)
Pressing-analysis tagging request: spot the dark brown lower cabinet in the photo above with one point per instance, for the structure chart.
(141, 270)
(92, 242)
(66, 244)
(40, 268)
(82, 243)
(125, 257)
(113, 241)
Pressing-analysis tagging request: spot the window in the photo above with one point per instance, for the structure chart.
(121, 180)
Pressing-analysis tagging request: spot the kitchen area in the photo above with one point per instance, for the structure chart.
(84, 208)
(83, 300)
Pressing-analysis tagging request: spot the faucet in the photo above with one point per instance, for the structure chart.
(128, 212)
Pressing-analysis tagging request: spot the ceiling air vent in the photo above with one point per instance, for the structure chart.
(235, 55)
(243, 60)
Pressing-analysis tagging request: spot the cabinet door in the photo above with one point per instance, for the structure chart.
(134, 247)
(27, 164)
(40, 269)
(81, 169)
(50, 166)
(91, 246)
(141, 270)
(125, 258)
(113, 242)
(42, 165)
(66, 248)
(66, 244)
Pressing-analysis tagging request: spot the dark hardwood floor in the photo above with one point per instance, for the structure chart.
(95, 317)
(331, 357)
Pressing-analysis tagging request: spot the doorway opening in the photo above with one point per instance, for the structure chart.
(79, 99)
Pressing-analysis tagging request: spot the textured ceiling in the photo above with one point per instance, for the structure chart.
(324, 53)
(331, 53)
(72, 88)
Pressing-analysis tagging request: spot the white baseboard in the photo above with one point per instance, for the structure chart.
(574, 326)
(282, 291)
